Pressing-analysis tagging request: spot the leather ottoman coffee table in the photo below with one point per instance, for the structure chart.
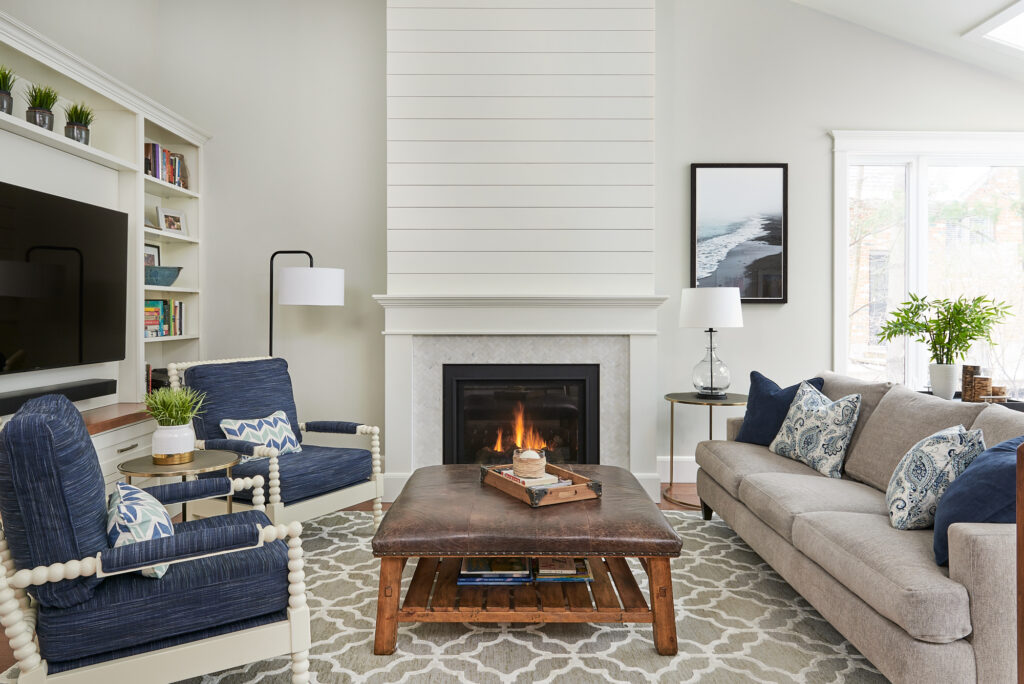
(445, 513)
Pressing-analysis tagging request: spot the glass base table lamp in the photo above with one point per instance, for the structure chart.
(710, 308)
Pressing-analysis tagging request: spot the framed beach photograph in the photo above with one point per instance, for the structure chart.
(738, 223)
(171, 220)
(151, 255)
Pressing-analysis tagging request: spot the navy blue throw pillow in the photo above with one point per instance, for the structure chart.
(985, 492)
(767, 406)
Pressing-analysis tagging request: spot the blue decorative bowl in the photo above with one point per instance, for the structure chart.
(162, 276)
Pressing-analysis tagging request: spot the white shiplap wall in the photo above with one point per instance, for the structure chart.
(520, 146)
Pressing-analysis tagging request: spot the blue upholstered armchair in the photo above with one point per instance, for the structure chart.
(302, 485)
(73, 605)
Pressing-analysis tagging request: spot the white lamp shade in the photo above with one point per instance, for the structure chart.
(307, 286)
(710, 307)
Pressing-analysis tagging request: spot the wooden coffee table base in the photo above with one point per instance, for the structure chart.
(613, 596)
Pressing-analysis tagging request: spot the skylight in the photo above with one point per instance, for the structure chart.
(1005, 29)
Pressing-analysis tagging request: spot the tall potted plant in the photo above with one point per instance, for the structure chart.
(949, 328)
(40, 101)
(173, 410)
(78, 117)
(7, 79)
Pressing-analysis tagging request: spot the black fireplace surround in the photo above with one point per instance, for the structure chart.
(559, 400)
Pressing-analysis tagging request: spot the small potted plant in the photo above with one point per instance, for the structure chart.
(949, 328)
(78, 119)
(173, 410)
(7, 79)
(40, 101)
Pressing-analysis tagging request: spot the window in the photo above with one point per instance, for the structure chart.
(941, 215)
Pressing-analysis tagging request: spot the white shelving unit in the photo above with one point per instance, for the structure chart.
(125, 121)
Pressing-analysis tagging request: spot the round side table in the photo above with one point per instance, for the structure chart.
(732, 399)
(205, 461)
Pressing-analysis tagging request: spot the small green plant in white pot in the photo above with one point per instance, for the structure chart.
(173, 410)
(41, 100)
(948, 327)
(7, 79)
(78, 117)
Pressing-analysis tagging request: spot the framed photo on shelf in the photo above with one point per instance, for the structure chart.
(739, 224)
(151, 255)
(171, 220)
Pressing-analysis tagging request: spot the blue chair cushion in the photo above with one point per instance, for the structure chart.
(241, 390)
(985, 492)
(314, 471)
(129, 610)
(52, 496)
(767, 406)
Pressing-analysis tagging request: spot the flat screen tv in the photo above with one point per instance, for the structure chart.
(63, 281)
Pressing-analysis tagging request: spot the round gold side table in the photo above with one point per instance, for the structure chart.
(206, 461)
(731, 399)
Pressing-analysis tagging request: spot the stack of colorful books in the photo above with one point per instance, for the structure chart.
(163, 165)
(548, 480)
(563, 570)
(495, 571)
(164, 317)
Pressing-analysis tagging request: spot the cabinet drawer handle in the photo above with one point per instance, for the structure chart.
(127, 448)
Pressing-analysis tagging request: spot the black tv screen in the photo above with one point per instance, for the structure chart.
(63, 281)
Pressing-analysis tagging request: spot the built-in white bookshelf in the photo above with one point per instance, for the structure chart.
(125, 121)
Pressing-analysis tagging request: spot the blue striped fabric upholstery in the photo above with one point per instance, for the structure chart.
(314, 471)
(52, 496)
(176, 492)
(132, 612)
(189, 545)
(236, 445)
(336, 426)
(241, 390)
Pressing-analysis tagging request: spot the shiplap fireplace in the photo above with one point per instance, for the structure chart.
(520, 214)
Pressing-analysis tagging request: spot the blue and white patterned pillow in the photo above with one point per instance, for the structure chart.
(272, 431)
(817, 430)
(134, 516)
(925, 472)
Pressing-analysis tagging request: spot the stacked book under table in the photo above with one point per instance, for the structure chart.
(522, 570)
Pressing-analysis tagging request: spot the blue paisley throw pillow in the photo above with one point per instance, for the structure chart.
(925, 472)
(272, 431)
(133, 516)
(817, 430)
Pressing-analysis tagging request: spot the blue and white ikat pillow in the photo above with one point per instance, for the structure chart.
(817, 430)
(273, 431)
(134, 516)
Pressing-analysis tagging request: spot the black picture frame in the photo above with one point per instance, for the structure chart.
(150, 250)
(764, 278)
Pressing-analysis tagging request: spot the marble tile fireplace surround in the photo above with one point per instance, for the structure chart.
(424, 333)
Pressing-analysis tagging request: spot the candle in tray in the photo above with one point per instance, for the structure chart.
(529, 454)
(529, 462)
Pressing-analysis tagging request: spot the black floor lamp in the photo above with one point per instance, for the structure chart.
(305, 286)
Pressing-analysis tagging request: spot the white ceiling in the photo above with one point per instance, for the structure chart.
(937, 25)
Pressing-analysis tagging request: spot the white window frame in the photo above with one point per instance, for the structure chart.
(917, 151)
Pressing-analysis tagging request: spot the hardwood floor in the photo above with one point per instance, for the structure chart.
(678, 490)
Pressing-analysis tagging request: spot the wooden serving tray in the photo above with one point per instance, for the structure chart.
(583, 488)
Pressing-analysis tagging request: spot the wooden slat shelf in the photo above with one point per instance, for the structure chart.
(613, 596)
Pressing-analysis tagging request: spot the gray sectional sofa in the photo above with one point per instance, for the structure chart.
(878, 586)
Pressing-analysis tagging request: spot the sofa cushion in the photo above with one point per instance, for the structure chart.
(729, 462)
(838, 386)
(777, 498)
(902, 419)
(817, 431)
(767, 406)
(999, 423)
(129, 610)
(892, 570)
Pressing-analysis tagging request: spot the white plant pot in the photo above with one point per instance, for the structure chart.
(944, 377)
(173, 444)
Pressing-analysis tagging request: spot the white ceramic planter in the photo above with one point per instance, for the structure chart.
(173, 444)
(944, 377)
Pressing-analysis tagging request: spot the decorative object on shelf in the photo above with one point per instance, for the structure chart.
(171, 220)
(305, 286)
(150, 255)
(529, 463)
(41, 100)
(162, 276)
(982, 386)
(78, 118)
(180, 169)
(967, 383)
(7, 79)
(738, 224)
(949, 327)
(173, 410)
(710, 308)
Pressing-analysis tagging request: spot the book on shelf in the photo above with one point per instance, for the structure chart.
(496, 566)
(163, 165)
(555, 566)
(508, 474)
(163, 318)
(563, 570)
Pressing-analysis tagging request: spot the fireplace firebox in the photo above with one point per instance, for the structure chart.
(489, 409)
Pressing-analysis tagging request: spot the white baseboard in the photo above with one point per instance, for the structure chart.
(685, 468)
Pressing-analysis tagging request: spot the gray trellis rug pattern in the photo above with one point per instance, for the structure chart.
(737, 621)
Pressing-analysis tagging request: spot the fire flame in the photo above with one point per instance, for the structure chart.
(526, 437)
(497, 442)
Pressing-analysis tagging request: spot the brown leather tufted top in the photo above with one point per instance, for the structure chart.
(447, 511)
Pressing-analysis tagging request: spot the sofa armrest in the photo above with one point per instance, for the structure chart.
(732, 428)
(983, 557)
